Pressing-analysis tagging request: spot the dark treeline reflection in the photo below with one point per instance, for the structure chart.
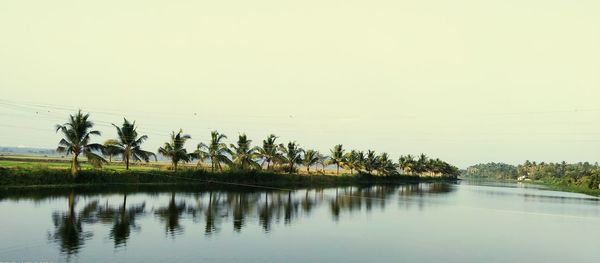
(214, 209)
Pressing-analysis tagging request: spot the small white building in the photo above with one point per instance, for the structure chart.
(523, 178)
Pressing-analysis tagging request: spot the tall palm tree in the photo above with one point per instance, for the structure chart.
(76, 141)
(108, 149)
(217, 151)
(337, 156)
(244, 155)
(311, 157)
(371, 161)
(269, 151)
(407, 163)
(385, 165)
(292, 155)
(422, 164)
(175, 149)
(360, 160)
(352, 161)
(322, 160)
(129, 144)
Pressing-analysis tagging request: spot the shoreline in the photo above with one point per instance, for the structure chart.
(61, 178)
(552, 186)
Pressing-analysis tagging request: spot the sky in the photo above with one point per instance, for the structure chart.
(467, 81)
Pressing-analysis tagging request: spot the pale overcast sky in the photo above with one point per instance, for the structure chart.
(465, 80)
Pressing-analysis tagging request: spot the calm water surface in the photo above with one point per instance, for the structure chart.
(463, 222)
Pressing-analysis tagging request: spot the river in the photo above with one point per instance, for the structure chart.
(429, 222)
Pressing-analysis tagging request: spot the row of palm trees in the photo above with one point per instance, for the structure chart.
(242, 155)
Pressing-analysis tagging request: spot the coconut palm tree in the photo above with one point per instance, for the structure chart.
(371, 162)
(292, 155)
(322, 160)
(244, 155)
(360, 160)
(407, 163)
(77, 135)
(337, 156)
(269, 151)
(175, 149)
(311, 157)
(352, 161)
(217, 151)
(129, 144)
(422, 163)
(385, 165)
(108, 149)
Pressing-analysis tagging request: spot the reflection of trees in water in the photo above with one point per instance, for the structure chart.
(213, 208)
(68, 232)
(277, 207)
(355, 198)
(425, 189)
(171, 214)
(422, 190)
(122, 218)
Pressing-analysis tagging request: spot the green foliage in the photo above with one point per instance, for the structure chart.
(337, 157)
(175, 149)
(129, 144)
(61, 177)
(269, 152)
(245, 156)
(292, 155)
(583, 174)
(492, 170)
(311, 157)
(216, 151)
(77, 135)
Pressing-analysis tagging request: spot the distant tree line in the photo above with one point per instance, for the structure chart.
(582, 174)
(78, 131)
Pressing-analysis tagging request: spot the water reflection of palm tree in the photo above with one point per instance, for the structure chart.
(125, 221)
(265, 214)
(334, 207)
(171, 214)
(307, 202)
(211, 214)
(68, 226)
(289, 209)
(239, 210)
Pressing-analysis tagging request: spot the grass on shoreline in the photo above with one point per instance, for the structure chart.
(48, 176)
(554, 185)
(564, 187)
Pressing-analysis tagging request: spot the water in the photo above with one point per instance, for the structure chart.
(463, 222)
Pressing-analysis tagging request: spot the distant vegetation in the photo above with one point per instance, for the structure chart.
(579, 175)
(492, 171)
(241, 157)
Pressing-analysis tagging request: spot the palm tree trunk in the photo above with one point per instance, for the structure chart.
(338, 169)
(74, 166)
(175, 166)
(126, 162)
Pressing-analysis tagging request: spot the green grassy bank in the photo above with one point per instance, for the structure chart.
(566, 186)
(51, 177)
